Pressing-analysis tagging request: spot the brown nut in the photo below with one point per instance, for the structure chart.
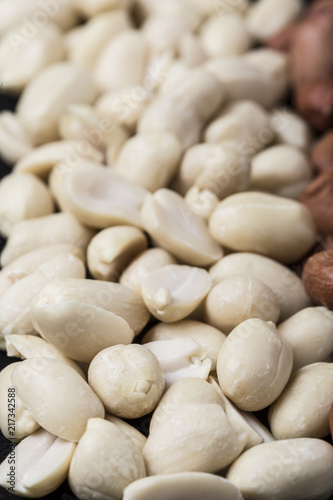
(317, 196)
(283, 39)
(314, 101)
(322, 153)
(318, 278)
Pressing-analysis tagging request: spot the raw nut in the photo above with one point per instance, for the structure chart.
(172, 292)
(191, 14)
(18, 195)
(173, 225)
(225, 36)
(331, 420)
(290, 128)
(134, 275)
(322, 153)
(149, 160)
(310, 335)
(138, 439)
(202, 203)
(286, 285)
(271, 225)
(112, 249)
(45, 385)
(14, 142)
(128, 379)
(91, 8)
(317, 196)
(102, 471)
(283, 39)
(39, 116)
(318, 278)
(164, 34)
(303, 408)
(23, 424)
(44, 460)
(302, 469)
(53, 229)
(314, 101)
(237, 299)
(194, 485)
(254, 365)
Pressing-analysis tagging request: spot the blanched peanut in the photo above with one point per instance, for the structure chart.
(184, 109)
(15, 316)
(173, 225)
(290, 128)
(128, 379)
(172, 292)
(293, 469)
(45, 385)
(271, 225)
(101, 198)
(42, 102)
(237, 299)
(170, 8)
(221, 7)
(310, 335)
(21, 61)
(45, 231)
(303, 408)
(286, 285)
(224, 36)
(85, 43)
(254, 365)
(164, 33)
(14, 142)
(202, 203)
(28, 263)
(185, 485)
(143, 265)
(282, 170)
(44, 463)
(90, 8)
(112, 249)
(18, 195)
(138, 439)
(102, 471)
(149, 160)
(24, 424)
(208, 337)
(122, 62)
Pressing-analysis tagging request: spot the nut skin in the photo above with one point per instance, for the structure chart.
(314, 101)
(283, 40)
(322, 153)
(318, 278)
(318, 196)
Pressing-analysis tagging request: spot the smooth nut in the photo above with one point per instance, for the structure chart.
(138, 439)
(268, 17)
(317, 196)
(314, 101)
(322, 153)
(203, 203)
(318, 278)
(14, 142)
(290, 128)
(225, 36)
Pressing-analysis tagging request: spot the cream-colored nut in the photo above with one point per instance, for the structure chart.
(181, 358)
(237, 299)
(173, 225)
(293, 469)
(176, 70)
(85, 43)
(172, 292)
(170, 8)
(42, 102)
(244, 121)
(149, 160)
(191, 50)
(219, 168)
(163, 33)
(206, 336)
(283, 170)
(303, 408)
(104, 463)
(15, 315)
(254, 365)
(138, 439)
(44, 231)
(18, 195)
(21, 61)
(71, 154)
(221, 7)
(224, 36)
(185, 485)
(290, 128)
(28, 263)
(286, 285)
(267, 224)
(90, 8)
(45, 385)
(122, 62)
(202, 203)
(143, 265)
(183, 109)
(310, 335)
(23, 424)
(101, 198)
(14, 142)
(84, 123)
(29, 346)
(267, 17)
(112, 249)
(128, 379)
(44, 464)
